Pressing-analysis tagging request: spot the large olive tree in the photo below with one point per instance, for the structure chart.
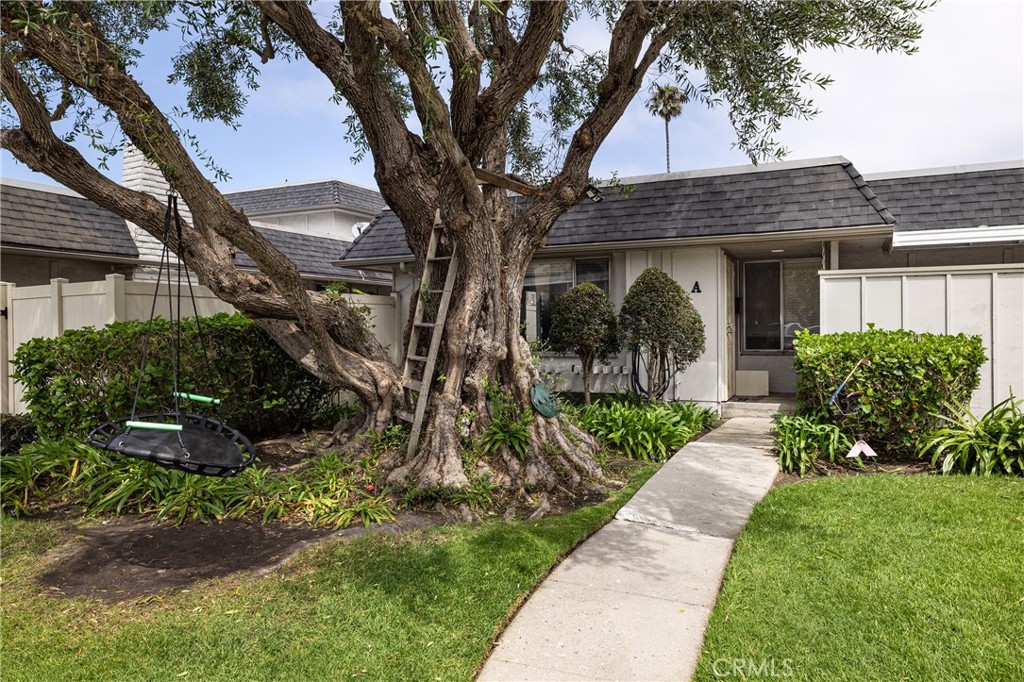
(488, 85)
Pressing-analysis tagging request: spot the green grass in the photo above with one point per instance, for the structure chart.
(422, 606)
(877, 578)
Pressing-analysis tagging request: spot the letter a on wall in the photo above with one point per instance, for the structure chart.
(696, 288)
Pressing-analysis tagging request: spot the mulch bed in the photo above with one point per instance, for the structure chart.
(838, 471)
(128, 559)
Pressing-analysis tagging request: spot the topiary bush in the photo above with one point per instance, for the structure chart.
(583, 322)
(88, 376)
(659, 320)
(908, 385)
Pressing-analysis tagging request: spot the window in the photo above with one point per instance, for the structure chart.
(780, 298)
(548, 279)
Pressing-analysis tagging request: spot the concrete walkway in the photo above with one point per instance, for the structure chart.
(632, 602)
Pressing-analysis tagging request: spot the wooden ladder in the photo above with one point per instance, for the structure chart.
(421, 387)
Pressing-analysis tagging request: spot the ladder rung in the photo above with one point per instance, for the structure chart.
(439, 258)
(418, 358)
(413, 385)
(436, 291)
(403, 415)
(425, 324)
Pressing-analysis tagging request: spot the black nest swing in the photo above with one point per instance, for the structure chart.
(193, 443)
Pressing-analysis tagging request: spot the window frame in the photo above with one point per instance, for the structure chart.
(572, 260)
(781, 350)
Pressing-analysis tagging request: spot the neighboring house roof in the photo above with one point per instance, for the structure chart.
(311, 254)
(36, 218)
(953, 198)
(748, 200)
(46, 218)
(305, 196)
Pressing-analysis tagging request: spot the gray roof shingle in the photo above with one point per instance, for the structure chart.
(306, 195)
(33, 218)
(954, 200)
(312, 255)
(828, 193)
(49, 220)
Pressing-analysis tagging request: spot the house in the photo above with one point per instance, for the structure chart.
(49, 232)
(768, 250)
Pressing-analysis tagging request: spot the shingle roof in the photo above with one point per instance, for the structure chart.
(52, 220)
(819, 194)
(322, 194)
(35, 218)
(311, 254)
(948, 200)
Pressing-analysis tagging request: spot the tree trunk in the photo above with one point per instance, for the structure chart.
(482, 346)
(586, 367)
(668, 156)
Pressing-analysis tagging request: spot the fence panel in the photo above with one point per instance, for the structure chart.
(48, 310)
(983, 300)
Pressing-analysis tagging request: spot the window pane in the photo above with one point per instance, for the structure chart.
(761, 306)
(800, 296)
(593, 270)
(545, 281)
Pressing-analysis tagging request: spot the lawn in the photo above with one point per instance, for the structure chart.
(423, 606)
(876, 578)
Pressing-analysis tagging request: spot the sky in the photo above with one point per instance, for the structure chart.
(959, 100)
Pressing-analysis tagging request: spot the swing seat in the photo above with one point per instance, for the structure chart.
(211, 448)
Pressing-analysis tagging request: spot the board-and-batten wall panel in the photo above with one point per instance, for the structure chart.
(983, 300)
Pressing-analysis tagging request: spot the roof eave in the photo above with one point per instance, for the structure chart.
(822, 234)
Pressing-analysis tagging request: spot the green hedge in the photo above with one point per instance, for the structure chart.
(912, 377)
(87, 376)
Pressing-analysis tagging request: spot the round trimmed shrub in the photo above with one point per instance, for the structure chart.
(583, 323)
(659, 320)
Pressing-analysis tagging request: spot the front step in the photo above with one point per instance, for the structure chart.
(765, 407)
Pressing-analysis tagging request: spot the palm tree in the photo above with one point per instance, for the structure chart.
(667, 102)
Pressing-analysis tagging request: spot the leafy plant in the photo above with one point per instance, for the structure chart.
(659, 320)
(88, 376)
(801, 442)
(911, 380)
(15, 431)
(479, 494)
(982, 446)
(584, 322)
(509, 426)
(649, 431)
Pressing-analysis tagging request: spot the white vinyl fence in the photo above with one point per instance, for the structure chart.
(984, 300)
(48, 310)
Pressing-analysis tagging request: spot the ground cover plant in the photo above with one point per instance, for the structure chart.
(986, 445)
(421, 606)
(910, 379)
(644, 430)
(884, 577)
(64, 474)
(804, 443)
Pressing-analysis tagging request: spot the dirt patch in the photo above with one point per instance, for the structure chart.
(837, 471)
(125, 560)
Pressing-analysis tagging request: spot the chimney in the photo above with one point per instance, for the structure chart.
(139, 174)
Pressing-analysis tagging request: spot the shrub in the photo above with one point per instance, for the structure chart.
(802, 441)
(584, 322)
(88, 376)
(649, 431)
(910, 381)
(659, 320)
(16, 430)
(992, 444)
